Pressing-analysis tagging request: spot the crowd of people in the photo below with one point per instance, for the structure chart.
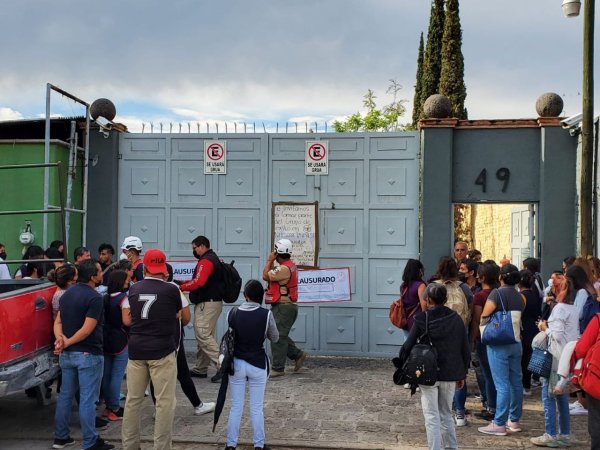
(124, 317)
(453, 309)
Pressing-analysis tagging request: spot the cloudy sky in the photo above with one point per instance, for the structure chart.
(198, 61)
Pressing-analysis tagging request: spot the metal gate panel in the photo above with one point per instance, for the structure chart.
(147, 223)
(289, 182)
(188, 183)
(368, 217)
(167, 201)
(368, 221)
(186, 224)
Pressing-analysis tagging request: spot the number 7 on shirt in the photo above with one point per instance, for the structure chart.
(148, 300)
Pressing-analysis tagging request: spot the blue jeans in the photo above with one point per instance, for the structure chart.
(550, 406)
(505, 363)
(257, 381)
(490, 387)
(81, 371)
(460, 397)
(114, 369)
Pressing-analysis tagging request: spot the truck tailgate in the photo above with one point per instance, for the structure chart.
(25, 322)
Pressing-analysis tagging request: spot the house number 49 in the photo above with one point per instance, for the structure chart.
(502, 174)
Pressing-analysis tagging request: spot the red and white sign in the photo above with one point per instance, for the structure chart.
(317, 157)
(215, 157)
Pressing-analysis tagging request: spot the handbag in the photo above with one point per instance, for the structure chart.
(540, 362)
(503, 327)
(397, 312)
(227, 348)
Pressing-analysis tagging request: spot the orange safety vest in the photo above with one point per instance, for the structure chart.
(290, 289)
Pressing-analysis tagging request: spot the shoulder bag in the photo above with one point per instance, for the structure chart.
(397, 311)
(503, 327)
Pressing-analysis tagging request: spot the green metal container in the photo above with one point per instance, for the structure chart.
(23, 189)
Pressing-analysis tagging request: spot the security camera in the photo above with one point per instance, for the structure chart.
(104, 123)
(572, 122)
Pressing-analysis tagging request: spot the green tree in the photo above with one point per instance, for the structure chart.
(432, 62)
(452, 83)
(375, 119)
(418, 98)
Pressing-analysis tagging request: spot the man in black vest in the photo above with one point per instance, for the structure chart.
(206, 294)
(152, 310)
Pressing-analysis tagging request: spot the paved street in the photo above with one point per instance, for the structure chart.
(342, 403)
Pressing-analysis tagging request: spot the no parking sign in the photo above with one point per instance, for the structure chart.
(316, 157)
(215, 157)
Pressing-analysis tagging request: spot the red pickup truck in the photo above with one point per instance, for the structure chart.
(26, 338)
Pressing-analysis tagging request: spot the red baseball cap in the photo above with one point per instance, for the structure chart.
(155, 262)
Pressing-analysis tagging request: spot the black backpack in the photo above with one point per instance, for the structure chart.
(232, 282)
(421, 366)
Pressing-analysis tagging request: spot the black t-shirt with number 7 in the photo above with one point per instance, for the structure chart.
(154, 306)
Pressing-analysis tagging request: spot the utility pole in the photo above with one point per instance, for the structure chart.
(587, 131)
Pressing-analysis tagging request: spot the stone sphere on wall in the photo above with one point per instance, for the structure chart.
(549, 104)
(437, 107)
(103, 107)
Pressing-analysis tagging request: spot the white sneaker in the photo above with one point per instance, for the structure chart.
(461, 420)
(204, 408)
(406, 386)
(575, 404)
(545, 440)
(578, 410)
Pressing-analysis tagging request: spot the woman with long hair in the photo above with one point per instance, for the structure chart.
(116, 340)
(531, 314)
(411, 291)
(582, 284)
(561, 328)
(252, 325)
(488, 275)
(505, 360)
(64, 276)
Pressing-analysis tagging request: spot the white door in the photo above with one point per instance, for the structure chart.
(522, 235)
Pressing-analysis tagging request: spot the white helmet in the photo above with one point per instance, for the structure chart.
(283, 246)
(132, 242)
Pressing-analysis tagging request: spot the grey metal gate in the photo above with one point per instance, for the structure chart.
(368, 216)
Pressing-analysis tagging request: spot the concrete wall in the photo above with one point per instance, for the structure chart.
(103, 192)
(541, 158)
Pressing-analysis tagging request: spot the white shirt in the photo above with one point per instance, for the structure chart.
(4, 273)
(563, 324)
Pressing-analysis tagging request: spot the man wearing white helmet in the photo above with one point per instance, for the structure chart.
(283, 295)
(131, 248)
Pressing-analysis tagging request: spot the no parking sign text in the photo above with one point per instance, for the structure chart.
(316, 157)
(215, 157)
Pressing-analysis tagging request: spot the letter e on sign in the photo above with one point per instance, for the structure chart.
(316, 158)
(215, 157)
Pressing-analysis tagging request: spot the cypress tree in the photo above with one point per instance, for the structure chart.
(452, 83)
(418, 99)
(432, 63)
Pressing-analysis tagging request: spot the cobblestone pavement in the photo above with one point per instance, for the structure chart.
(342, 403)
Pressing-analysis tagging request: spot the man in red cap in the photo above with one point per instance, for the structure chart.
(152, 311)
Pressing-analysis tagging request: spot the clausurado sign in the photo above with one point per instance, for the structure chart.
(314, 286)
(324, 285)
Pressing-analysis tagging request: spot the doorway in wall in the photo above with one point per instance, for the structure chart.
(500, 231)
